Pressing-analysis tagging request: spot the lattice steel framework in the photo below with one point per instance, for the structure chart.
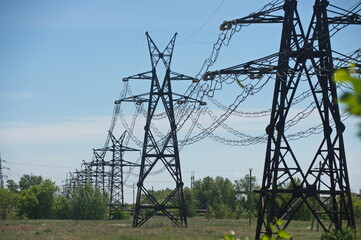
(116, 164)
(325, 190)
(106, 175)
(1, 174)
(160, 151)
(99, 174)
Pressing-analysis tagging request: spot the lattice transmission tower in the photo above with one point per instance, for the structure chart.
(2, 185)
(116, 173)
(304, 57)
(163, 151)
(106, 175)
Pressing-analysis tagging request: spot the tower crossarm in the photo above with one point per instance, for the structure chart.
(147, 76)
(255, 68)
(264, 16)
(180, 76)
(180, 99)
(267, 65)
(138, 99)
(143, 76)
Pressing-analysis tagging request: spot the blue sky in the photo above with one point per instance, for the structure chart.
(62, 62)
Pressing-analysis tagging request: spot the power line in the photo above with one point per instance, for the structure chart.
(200, 28)
(39, 165)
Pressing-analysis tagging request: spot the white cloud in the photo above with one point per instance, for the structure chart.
(70, 130)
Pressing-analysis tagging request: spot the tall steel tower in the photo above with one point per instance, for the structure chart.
(1, 174)
(116, 164)
(163, 151)
(304, 57)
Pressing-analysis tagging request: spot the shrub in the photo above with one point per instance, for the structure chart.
(120, 214)
(340, 234)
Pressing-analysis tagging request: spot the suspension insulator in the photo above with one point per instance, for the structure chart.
(226, 25)
(241, 85)
(208, 76)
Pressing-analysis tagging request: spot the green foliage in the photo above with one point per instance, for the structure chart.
(120, 214)
(84, 202)
(27, 181)
(36, 201)
(242, 188)
(12, 186)
(230, 236)
(161, 195)
(6, 203)
(62, 207)
(218, 195)
(352, 100)
(221, 211)
(356, 203)
(281, 234)
(303, 213)
(190, 201)
(340, 234)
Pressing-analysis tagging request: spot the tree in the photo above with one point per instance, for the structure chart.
(162, 194)
(62, 208)
(36, 201)
(83, 202)
(27, 181)
(356, 203)
(217, 195)
(12, 186)
(6, 203)
(225, 192)
(242, 188)
(190, 202)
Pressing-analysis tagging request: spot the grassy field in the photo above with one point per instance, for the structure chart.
(160, 229)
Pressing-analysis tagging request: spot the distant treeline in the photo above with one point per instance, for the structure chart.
(36, 198)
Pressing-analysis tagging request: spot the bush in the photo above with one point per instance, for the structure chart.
(36, 202)
(87, 203)
(6, 203)
(62, 208)
(120, 214)
(340, 234)
(222, 211)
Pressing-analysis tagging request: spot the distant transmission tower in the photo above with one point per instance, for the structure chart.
(306, 56)
(163, 151)
(116, 164)
(1, 174)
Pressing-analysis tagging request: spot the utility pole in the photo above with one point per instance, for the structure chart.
(134, 195)
(1, 173)
(250, 197)
(192, 180)
(208, 205)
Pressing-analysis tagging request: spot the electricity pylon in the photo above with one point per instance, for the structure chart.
(116, 164)
(2, 185)
(303, 55)
(164, 151)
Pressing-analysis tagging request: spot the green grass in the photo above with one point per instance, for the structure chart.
(156, 228)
